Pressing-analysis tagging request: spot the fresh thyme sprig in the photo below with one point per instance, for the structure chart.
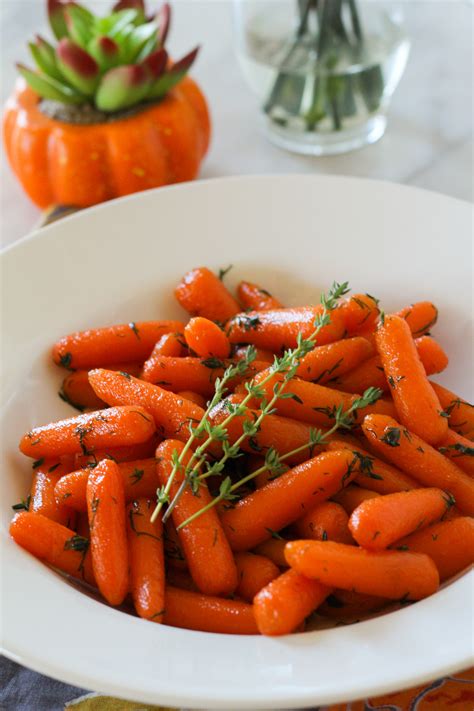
(274, 461)
(203, 426)
(286, 365)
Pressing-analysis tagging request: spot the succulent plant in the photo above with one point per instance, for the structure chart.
(112, 62)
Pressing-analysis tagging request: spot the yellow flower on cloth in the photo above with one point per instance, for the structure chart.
(97, 702)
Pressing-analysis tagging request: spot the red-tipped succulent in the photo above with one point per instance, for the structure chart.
(112, 62)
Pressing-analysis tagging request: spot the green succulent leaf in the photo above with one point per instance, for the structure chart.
(78, 67)
(155, 63)
(56, 18)
(86, 14)
(122, 4)
(49, 88)
(161, 87)
(45, 58)
(122, 87)
(138, 38)
(137, 5)
(121, 21)
(79, 26)
(105, 51)
(114, 61)
(163, 18)
(165, 83)
(148, 48)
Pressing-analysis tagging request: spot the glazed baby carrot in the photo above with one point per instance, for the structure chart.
(147, 563)
(374, 474)
(460, 450)
(265, 476)
(114, 344)
(417, 405)
(77, 391)
(55, 544)
(170, 344)
(139, 480)
(201, 293)
(412, 455)
(254, 573)
(282, 433)
(278, 329)
(284, 500)
(285, 602)
(194, 611)
(262, 355)
(173, 551)
(197, 374)
(360, 313)
(106, 511)
(180, 579)
(85, 433)
(460, 412)
(431, 354)
(172, 414)
(82, 525)
(204, 544)
(274, 549)
(313, 403)
(324, 363)
(352, 496)
(346, 605)
(141, 450)
(421, 317)
(325, 522)
(255, 298)
(378, 523)
(450, 544)
(206, 339)
(370, 373)
(46, 475)
(392, 574)
(193, 397)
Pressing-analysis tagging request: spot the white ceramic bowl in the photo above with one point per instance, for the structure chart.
(119, 262)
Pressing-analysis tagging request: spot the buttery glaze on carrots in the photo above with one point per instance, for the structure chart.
(236, 471)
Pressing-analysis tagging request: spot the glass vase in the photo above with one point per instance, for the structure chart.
(324, 71)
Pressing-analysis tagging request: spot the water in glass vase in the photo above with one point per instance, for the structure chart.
(324, 93)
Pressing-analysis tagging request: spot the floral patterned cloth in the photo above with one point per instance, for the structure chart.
(24, 690)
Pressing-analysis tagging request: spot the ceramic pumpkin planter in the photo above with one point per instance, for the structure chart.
(107, 114)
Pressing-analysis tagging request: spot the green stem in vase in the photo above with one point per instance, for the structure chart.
(314, 89)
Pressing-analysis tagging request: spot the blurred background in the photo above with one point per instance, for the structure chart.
(428, 142)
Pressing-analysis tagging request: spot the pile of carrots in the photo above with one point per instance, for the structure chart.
(377, 515)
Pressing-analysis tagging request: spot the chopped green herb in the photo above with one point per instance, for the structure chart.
(77, 543)
(213, 363)
(135, 330)
(248, 323)
(274, 534)
(65, 360)
(222, 273)
(392, 437)
(136, 475)
(24, 505)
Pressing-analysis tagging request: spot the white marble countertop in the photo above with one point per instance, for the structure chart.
(428, 142)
